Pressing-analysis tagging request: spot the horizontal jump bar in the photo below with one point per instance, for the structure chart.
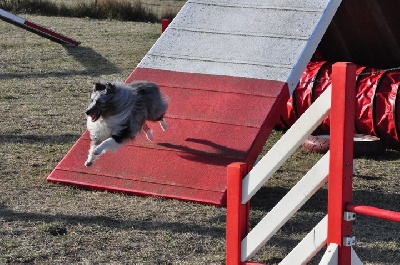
(373, 212)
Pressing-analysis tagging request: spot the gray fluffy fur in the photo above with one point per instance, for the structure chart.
(117, 112)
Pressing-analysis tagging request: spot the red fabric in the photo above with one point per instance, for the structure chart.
(377, 109)
(385, 98)
(300, 99)
(302, 94)
(366, 86)
(324, 81)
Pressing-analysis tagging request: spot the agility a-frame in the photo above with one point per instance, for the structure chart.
(227, 77)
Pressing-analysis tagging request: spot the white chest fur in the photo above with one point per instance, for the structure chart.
(99, 130)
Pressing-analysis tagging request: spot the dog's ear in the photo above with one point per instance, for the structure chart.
(98, 87)
(110, 88)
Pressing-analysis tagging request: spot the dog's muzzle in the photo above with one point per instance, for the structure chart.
(94, 114)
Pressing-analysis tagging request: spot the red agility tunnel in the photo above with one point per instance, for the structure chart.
(378, 100)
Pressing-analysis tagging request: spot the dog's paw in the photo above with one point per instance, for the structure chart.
(97, 151)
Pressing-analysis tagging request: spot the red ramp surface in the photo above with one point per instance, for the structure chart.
(213, 121)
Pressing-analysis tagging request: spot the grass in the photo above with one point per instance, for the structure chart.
(43, 95)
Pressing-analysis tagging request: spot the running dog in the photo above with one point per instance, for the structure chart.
(118, 111)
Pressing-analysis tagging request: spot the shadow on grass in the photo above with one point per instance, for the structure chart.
(94, 63)
(388, 155)
(33, 139)
(105, 221)
(267, 197)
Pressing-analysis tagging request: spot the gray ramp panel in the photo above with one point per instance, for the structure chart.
(272, 40)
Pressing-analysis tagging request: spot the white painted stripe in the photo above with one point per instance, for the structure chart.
(245, 33)
(286, 146)
(215, 68)
(216, 50)
(229, 47)
(285, 208)
(281, 5)
(12, 17)
(311, 244)
(331, 256)
(219, 60)
(255, 21)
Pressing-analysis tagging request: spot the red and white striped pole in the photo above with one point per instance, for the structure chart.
(35, 28)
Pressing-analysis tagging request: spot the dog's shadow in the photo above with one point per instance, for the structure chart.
(219, 157)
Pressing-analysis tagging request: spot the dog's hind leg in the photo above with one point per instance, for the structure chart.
(148, 132)
(163, 124)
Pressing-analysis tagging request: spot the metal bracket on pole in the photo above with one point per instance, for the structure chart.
(349, 241)
(349, 216)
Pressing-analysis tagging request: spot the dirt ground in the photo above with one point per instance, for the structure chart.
(44, 91)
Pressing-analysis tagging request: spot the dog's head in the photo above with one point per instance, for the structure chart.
(100, 101)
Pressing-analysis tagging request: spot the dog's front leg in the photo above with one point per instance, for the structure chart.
(95, 151)
(91, 155)
(108, 144)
